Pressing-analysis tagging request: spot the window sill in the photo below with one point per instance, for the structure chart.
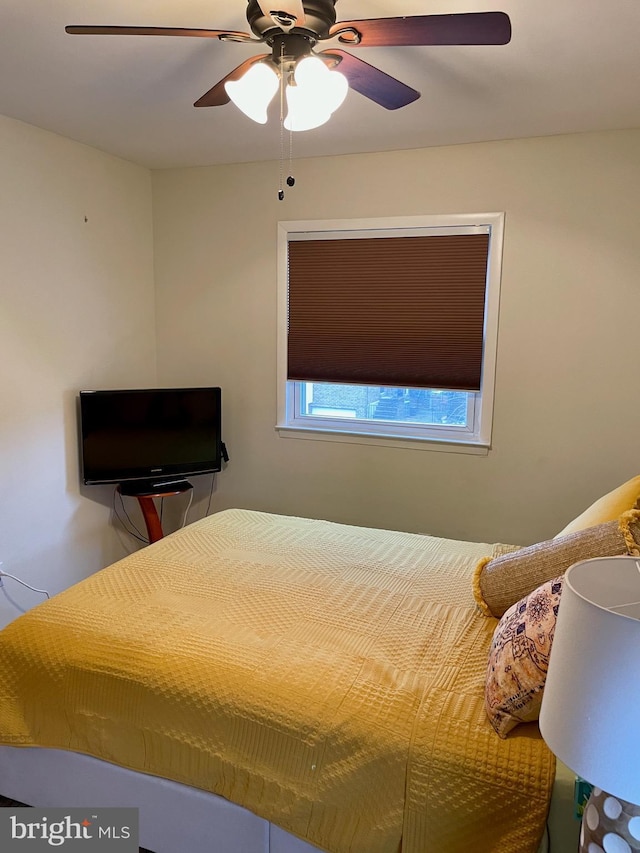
(475, 448)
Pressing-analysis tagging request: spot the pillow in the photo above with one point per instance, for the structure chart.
(519, 658)
(608, 507)
(499, 582)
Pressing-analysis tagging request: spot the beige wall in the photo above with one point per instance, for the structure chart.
(76, 311)
(566, 413)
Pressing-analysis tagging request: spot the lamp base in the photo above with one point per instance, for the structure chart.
(609, 824)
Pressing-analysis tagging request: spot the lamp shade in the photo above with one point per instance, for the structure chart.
(590, 714)
(318, 92)
(302, 112)
(254, 91)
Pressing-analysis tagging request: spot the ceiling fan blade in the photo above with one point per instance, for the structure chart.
(289, 7)
(217, 95)
(373, 83)
(152, 31)
(464, 28)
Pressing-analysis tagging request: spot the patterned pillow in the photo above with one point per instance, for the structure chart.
(519, 658)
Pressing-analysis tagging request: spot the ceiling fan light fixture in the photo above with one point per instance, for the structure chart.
(303, 113)
(317, 93)
(254, 91)
(329, 87)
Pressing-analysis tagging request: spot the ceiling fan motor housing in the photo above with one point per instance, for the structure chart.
(320, 16)
(289, 47)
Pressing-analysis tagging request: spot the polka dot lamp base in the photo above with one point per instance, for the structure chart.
(609, 825)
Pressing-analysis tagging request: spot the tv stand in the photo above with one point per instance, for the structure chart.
(145, 491)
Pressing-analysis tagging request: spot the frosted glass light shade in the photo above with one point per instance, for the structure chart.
(303, 113)
(317, 94)
(590, 715)
(254, 91)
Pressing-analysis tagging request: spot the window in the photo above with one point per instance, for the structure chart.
(388, 329)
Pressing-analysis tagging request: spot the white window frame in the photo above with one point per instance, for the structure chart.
(477, 438)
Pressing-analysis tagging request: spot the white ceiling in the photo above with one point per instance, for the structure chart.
(571, 66)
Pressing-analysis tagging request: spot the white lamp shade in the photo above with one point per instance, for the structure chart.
(590, 715)
(329, 87)
(302, 112)
(254, 91)
(317, 94)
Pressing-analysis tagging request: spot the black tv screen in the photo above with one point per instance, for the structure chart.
(161, 434)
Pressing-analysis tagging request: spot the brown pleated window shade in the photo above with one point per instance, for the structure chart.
(402, 311)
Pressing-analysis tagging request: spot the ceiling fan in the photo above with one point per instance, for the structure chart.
(292, 29)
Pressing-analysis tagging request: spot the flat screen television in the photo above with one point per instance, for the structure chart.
(151, 436)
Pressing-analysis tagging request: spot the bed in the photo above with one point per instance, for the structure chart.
(271, 684)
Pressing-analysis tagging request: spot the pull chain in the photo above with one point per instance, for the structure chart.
(282, 84)
(290, 179)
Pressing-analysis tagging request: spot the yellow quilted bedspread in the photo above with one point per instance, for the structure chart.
(329, 678)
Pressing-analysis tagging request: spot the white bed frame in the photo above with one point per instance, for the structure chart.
(175, 818)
